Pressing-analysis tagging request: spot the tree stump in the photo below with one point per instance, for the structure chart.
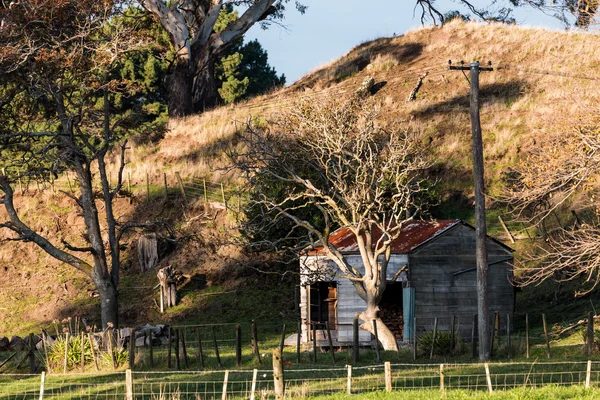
(167, 279)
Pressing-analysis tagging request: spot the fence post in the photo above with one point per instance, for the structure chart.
(330, 341)
(415, 339)
(590, 333)
(278, 378)
(452, 327)
(66, 352)
(282, 339)
(225, 380)
(212, 328)
(377, 350)
(388, 376)
(200, 355)
(442, 389)
(169, 340)
(43, 381)
(588, 374)
(184, 348)
(128, 385)
(253, 390)
(355, 340)
(314, 329)
(508, 335)
(181, 187)
(255, 342)
(31, 354)
(435, 325)
(546, 334)
(147, 187)
(166, 186)
(349, 385)
(238, 345)
(488, 378)
(473, 333)
(298, 341)
(82, 351)
(131, 348)
(527, 335)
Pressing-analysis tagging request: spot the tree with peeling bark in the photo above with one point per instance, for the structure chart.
(58, 87)
(327, 165)
(190, 24)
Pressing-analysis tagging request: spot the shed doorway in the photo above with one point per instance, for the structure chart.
(323, 304)
(391, 309)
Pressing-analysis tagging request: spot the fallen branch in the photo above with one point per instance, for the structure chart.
(413, 95)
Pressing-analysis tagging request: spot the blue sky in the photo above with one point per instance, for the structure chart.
(330, 28)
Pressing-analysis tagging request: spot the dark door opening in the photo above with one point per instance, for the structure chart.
(323, 304)
(391, 311)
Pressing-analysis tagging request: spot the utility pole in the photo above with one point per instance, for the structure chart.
(483, 305)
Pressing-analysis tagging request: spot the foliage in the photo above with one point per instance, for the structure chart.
(56, 352)
(442, 344)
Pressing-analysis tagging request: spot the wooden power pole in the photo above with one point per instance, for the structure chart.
(483, 305)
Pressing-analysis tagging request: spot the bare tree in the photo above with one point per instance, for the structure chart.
(545, 184)
(56, 113)
(328, 165)
(190, 24)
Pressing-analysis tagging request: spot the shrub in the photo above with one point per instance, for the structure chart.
(443, 339)
(56, 352)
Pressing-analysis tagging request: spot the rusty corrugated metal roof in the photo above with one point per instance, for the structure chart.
(412, 235)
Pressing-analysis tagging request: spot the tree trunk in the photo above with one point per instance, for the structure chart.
(109, 310)
(386, 337)
(205, 93)
(180, 87)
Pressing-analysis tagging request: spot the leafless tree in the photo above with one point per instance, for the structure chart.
(56, 92)
(545, 184)
(327, 165)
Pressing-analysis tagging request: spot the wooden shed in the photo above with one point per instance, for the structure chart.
(440, 282)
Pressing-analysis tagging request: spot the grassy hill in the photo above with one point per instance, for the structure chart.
(544, 81)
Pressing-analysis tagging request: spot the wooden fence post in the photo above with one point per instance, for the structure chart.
(282, 339)
(377, 350)
(128, 385)
(82, 351)
(238, 345)
(415, 338)
(546, 334)
(473, 334)
(176, 348)
(183, 348)
(31, 354)
(66, 352)
(590, 333)
(298, 341)
(442, 389)
(151, 349)
(387, 366)
(452, 327)
(43, 381)
(147, 187)
(488, 378)
(314, 329)
(166, 185)
(355, 352)
(527, 335)
(253, 388)
(278, 378)
(214, 336)
(131, 348)
(435, 325)
(330, 341)
(225, 381)
(255, 342)
(169, 340)
(349, 384)
(181, 188)
(200, 355)
(508, 335)
(588, 374)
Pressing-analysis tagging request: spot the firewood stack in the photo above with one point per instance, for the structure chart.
(394, 319)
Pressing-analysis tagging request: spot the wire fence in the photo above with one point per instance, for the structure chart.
(259, 383)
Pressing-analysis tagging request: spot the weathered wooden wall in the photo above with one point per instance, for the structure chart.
(440, 293)
(348, 303)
